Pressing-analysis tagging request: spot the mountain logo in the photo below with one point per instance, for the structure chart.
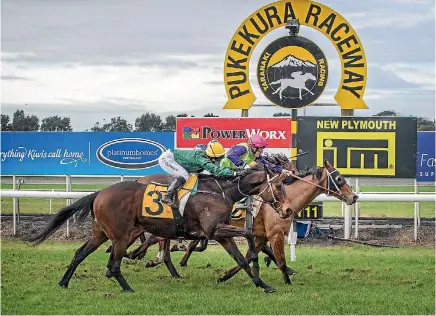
(292, 72)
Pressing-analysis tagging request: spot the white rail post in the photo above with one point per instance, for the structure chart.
(357, 211)
(347, 220)
(68, 189)
(51, 203)
(122, 178)
(415, 216)
(14, 202)
(417, 206)
(292, 240)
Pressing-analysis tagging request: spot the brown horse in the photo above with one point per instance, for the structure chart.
(117, 214)
(268, 226)
(140, 252)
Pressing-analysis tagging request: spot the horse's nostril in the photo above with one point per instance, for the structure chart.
(355, 198)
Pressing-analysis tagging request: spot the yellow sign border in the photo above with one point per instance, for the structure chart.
(312, 14)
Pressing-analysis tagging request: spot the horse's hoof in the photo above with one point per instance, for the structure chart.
(267, 261)
(183, 264)
(291, 272)
(177, 276)
(128, 291)
(219, 280)
(269, 290)
(63, 285)
(108, 274)
(149, 264)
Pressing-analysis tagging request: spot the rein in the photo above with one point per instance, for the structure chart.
(276, 204)
(340, 195)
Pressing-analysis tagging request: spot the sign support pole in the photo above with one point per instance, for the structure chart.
(294, 145)
(348, 208)
(244, 113)
(14, 203)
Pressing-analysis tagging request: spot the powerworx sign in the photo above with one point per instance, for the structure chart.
(312, 14)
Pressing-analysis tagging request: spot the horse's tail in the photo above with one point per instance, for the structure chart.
(276, 82)
(63, 215)
(87, 209)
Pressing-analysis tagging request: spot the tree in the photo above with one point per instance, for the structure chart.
(281, 114)
(21, 122)
(97, 128)
(149, 122)
(182, 115)
(210, 115)
(170, 123)
(6, 125)
(386, 113)
(117, 124)
(56, 124)
(425, 124)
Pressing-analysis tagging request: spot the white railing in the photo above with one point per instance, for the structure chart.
(292, 238)
(363, 197)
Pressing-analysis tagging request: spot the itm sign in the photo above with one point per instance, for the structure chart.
(314, 15)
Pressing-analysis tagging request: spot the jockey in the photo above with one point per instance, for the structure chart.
(249, 154)
(179, 163)
(246, 155)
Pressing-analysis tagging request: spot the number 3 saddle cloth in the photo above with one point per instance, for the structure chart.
(152, 206)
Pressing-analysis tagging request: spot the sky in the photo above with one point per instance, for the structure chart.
(92, 60)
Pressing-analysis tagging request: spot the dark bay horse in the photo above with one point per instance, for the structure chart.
(140, 252)
(117, 215)
(268, 225)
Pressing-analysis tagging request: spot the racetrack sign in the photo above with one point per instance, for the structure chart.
(309, 13)
(360, 146)
(426, 157)
(292, 72)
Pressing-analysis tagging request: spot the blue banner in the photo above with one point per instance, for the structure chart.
(83, 153)
(425, 158)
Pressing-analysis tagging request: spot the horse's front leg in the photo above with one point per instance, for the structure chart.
(277, 242)
(224, 233)
(193, 247)
(141, 251)
(260, 243)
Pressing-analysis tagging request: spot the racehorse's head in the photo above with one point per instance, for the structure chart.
(267, 185)
(338, 186)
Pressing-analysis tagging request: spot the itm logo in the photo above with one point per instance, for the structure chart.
(358, 153)
(190, 133)
(292, 72)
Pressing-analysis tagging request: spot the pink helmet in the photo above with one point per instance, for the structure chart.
(257, 141)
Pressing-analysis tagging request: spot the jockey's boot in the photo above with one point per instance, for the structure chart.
(172, 190)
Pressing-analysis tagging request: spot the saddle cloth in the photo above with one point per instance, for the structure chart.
(238, 213)
(152, 206)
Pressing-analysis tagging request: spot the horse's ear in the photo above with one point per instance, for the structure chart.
(318, 173)
(327, 165)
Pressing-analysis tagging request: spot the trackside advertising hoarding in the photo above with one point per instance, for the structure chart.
(425, 158)
(360, 146)
(232, 131)
(83, 153)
